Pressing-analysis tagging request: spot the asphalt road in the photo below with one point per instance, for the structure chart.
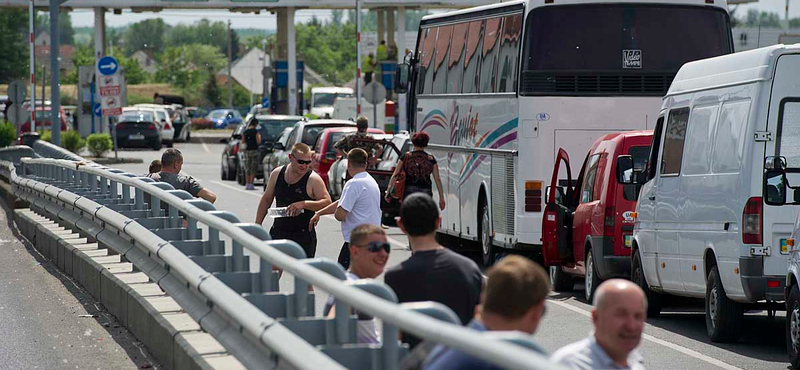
(676, 340)
(47, 321)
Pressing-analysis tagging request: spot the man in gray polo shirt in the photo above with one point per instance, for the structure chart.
(171, 165)
(620, 309)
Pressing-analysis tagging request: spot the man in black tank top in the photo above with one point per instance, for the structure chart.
(302, 191)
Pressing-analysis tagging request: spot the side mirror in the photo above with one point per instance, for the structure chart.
(625, 170)
(330, 156)
(278, 146)
(775, 163)
(775, 187)
(401, 78)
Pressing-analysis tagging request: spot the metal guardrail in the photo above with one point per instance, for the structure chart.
(48, 150)
(245, 297)
(15, 153)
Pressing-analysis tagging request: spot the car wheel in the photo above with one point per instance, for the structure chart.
(226, 169)
(723, 316)
(240, 175)
(591, 279)
(560, 280)
(157, 145)
(169, 144)
(793, 327)
(188, 136)
(485, 236)
(654, 300)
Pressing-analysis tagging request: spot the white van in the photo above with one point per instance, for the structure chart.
(323, 98)
(708, 224)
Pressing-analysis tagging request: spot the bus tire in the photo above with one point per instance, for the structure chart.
(793, 327)
(723, 316)
(654, 300)
(485, 235)
(560, 280)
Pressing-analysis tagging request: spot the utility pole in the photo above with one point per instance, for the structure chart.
(31, 21)
(358, 57)
(55, 77)
(230, 60)
(264, 68)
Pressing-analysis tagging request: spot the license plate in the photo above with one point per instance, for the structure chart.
(136, 137)
(784, 247)
(628, 240)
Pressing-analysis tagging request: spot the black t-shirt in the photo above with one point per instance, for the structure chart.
(250, 139)
(441, 276)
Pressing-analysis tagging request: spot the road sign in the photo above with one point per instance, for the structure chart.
(98, 109)
(109, 85)
(17, 91)
(374, 92)
(265, 102)
(111, 105)
(107, 65)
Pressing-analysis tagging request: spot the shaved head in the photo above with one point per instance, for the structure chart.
(611, 290)
(620, 310)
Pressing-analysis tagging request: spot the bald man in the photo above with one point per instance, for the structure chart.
(620, 308)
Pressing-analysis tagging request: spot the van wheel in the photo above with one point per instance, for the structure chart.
(723, 316)
(654, 300)
(560, 280)
(793, 327)
(486, 236)
(591, 279)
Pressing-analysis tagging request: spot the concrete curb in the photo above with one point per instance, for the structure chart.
(154, 318)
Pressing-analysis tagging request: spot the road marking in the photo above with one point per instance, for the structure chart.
(396, 242)
(248, 192)
(655, 340)
(205, 147)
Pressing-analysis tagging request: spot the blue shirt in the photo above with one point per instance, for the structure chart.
(588, 355)
(443, 358)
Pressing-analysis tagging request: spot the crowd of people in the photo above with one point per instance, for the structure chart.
(511, 297)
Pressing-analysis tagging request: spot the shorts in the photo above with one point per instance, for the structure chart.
(306, 239)
(251, 162)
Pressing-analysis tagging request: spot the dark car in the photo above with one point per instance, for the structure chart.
(270, 127)
(305, 132)
(138, 129)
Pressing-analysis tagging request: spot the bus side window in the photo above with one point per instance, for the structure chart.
(472, 60)
(426, 72)
(440, 60)
(454, 70)
(489, 55)
(509, 51)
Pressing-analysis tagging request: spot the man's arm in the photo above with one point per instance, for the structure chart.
(268, 196)
(208, 195)
(340, 214)
(330, 208)
(319, 193)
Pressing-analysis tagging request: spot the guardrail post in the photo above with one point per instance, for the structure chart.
(193, 230)
(155, 207)
(238, 257)
(93, 182)
(174, 219)
(300, 297)
(114, 189)
(126, 194)
(213, 242)
(103, 185)
(139, 196)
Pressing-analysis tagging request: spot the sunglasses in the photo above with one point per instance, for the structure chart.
(302, 162)
(376, 247)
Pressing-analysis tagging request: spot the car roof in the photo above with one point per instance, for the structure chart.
(344, 90)
(323, 122)
(281, 117)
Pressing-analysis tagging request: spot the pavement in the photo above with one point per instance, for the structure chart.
(676, 340)
(47, 321)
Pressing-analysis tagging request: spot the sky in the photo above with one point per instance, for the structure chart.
(85, 17)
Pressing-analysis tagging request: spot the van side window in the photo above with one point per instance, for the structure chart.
(699, 137)
(730, 138)
(587, 188)
(674, 136)
(789, 132)
(655, 145)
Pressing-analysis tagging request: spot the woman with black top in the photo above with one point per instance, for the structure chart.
(252, 138)
(419, 166)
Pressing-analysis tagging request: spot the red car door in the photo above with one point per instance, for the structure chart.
(557, 220)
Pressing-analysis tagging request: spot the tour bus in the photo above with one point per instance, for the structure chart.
(500, 88)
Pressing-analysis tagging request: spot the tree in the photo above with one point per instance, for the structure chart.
(147, 35)
(336, 16)
(84, 56)
(204, 32)
(762, 19)
(212, 92)
(14, 58)
(329, 49)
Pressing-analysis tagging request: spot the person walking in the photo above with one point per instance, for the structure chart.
(302, 191)
(350, 141)
(418, 166)
(369, 251)
(368, 66)
(433, 272)
(171, 166)
(359, 204)
(620, 309)
(252, 139)
(514, 300)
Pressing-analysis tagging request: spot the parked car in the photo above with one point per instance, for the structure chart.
(223, 118)
(270, 127)
(256, 110)
(282, 140)
(44, 119)
(164, 121)
(138, 128)
(181, 122)
(401, 144)
(324, 153)
(587, 229)
(337, 174)
(303, 132)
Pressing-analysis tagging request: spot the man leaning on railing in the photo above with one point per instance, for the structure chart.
(171, 165)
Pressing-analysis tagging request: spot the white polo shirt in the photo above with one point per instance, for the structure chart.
(361, 198)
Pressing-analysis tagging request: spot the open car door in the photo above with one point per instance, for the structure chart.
(557, 220)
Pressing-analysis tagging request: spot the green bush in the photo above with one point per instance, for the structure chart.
(45, 136)
(99, 144)
(7, 134)
(72, 141)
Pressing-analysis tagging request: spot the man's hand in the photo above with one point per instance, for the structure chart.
(296, 208)
(314, 221)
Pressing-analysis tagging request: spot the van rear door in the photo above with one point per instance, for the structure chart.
(784, 124)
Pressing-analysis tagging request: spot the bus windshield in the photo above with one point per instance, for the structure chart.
(617, 40)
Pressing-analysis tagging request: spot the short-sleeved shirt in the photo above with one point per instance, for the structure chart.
(366, 330)
(443, 358)
(250, 139)
(361, 198)
(348, 143)
(418, 166)
(588, 355)
(178, 181)
(439, 275)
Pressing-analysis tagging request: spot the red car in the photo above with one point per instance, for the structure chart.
(43, 119)
(325, 154)
(588, 223)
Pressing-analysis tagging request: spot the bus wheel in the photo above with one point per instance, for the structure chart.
(560, 280)
(793, 327)
(486, 237)
(723, 316)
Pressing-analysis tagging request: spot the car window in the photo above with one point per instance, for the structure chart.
(136, 116)
(587, 189)
(285, 137)
(271, 129)
(239, 130)
(292, 137)
(310, 134)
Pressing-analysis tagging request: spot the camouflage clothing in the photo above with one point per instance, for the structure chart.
(348, 143)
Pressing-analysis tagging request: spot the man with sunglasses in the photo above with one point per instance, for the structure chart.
(303, 192)
(369, 251)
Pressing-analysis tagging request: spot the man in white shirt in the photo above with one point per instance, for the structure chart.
(359, 204)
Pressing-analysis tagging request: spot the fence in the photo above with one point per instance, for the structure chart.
(158, 229)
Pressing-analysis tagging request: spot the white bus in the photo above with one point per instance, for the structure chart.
(501, 88)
